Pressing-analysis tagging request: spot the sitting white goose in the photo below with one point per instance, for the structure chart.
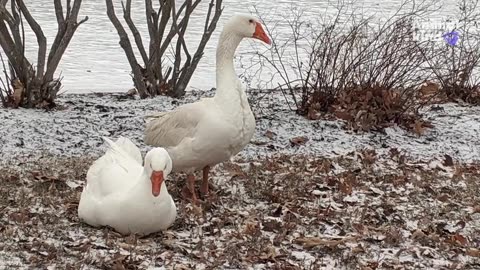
(123, 194)
(201, 134)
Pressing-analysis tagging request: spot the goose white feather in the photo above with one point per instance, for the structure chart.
(123, 194)
(212, 130)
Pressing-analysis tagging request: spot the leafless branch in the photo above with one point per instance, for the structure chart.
(154, 78)
(212, 24)
(41, 39)
(64, 36)
(340, 62)
(127, 47)
(59, 11)
(138, 38)
(35, 87)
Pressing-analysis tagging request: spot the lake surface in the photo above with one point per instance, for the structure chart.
(94, 60)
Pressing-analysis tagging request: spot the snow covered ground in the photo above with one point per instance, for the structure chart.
(77, 129)
(303, 195)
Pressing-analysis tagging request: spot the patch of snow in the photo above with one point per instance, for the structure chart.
(77, 130)
(354, 198)
(377, 191)
(373, 216)
(412, 224)
(74, 184)
(9, 262)
(303, 256)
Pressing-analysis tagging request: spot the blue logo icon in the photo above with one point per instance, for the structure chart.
(451, 37)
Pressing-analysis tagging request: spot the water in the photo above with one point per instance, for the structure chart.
(94, 60)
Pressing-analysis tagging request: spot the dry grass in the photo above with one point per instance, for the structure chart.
(291, 212)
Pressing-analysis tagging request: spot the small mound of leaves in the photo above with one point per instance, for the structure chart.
(375, 108)
(468, 94)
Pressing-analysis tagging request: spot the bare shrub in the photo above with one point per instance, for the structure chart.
(456, 64)
(365, 71)
(380, 86)
(23, 84)
(155, 77)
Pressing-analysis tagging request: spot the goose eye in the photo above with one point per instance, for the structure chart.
(250, 21)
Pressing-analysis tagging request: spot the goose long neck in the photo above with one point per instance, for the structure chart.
(226, 78)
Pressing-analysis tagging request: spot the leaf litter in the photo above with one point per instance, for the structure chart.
(305, 194)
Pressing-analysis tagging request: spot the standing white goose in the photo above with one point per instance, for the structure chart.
(201, 134)
(123, 194)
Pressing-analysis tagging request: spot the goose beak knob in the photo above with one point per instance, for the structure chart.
(260, 34)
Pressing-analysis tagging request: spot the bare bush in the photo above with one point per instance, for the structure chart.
(364, 71)
(456, 62)
(155, 77)
(380, 85)
(23, 84)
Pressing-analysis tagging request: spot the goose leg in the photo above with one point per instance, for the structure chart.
(204, 186)
(189, 190)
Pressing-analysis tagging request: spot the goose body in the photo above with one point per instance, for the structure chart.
(202, 138)
(125, 195)
(201, 134)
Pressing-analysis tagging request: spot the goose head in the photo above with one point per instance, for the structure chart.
(247, 26)
(158, 165)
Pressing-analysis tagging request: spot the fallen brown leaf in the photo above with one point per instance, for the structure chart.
(448, 161)
(443, 197)
(418, 127)
(372, 265)
(313, 113)
(369, 156)
(131, 92)
(298, 140)
(429, 88)
(269, 254)
(418, 234)
(474, 252)
(118, 266)
(346, 188)
(343, 115)
(18, 89)
(269, 134)
(358, 249)
(459, 239)
(252, 227)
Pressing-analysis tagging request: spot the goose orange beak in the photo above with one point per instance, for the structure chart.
(260, 34)
(157, 180)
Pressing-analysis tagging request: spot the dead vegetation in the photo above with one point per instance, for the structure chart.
(282, 213)
(24, 84)
(456, 62)
(373, 74)
(375, 108)
(388, 204)
(167, 25)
